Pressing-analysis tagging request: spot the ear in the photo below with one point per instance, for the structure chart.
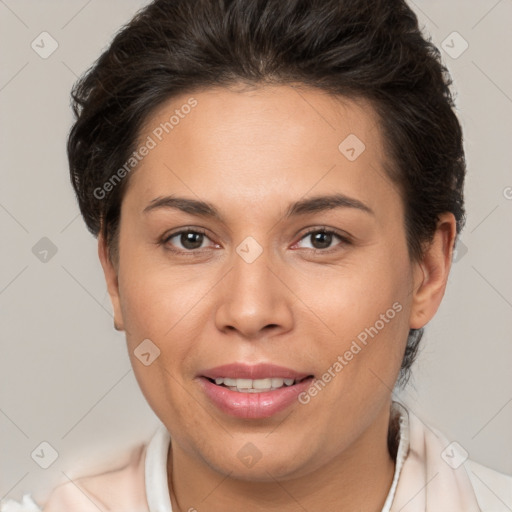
(112, 282)
(431, 272)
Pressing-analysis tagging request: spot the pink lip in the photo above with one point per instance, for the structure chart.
(253, 405)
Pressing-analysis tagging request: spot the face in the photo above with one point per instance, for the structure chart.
(267, 281)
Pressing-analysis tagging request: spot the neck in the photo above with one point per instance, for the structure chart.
(359, 478)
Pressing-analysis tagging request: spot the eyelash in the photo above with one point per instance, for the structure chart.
(344, 240)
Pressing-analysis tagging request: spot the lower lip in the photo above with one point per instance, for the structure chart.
(253, 405)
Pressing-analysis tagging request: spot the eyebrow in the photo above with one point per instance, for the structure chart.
(301, 207)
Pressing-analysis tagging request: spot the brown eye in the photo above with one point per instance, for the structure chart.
(322, 239)
(191, 240)
(186, 240)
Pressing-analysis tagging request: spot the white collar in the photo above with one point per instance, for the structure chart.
(157, 491)
(403, 450)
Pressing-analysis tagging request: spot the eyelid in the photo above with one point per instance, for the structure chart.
(187, 229)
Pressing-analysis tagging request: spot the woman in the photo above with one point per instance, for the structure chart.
(276, 188)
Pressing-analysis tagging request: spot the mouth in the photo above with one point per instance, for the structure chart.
(253, 391)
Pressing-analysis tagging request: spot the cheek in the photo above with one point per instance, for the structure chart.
(158, 301)
(163, 308)
(367, 312)
(353, 301)
(170, 307)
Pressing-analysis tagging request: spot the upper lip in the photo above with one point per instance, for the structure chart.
(256, 371)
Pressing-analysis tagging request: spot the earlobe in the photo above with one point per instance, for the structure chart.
(431, 272)
(112, 282)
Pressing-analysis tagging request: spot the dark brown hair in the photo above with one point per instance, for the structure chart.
(371, 49)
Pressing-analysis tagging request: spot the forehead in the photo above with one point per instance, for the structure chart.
(257, 145)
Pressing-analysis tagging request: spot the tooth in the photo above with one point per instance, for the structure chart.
(243, 383)
(262, 383)
(277, 383)
(253, 385)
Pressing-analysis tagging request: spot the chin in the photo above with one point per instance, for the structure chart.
(258, 460)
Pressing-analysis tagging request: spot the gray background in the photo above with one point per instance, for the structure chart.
(64, 372)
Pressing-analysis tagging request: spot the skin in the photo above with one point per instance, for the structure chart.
(251, 152)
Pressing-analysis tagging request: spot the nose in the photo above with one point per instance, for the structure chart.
(253, 299)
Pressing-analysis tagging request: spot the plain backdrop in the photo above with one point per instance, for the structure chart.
(65, 376)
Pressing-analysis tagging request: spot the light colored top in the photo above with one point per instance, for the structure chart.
(431, 475)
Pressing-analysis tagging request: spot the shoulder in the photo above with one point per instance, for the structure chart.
(121, 489)
(447, 478)
(493, 489)
(140, 480)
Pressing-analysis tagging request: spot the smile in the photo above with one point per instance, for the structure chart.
(253, 391)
